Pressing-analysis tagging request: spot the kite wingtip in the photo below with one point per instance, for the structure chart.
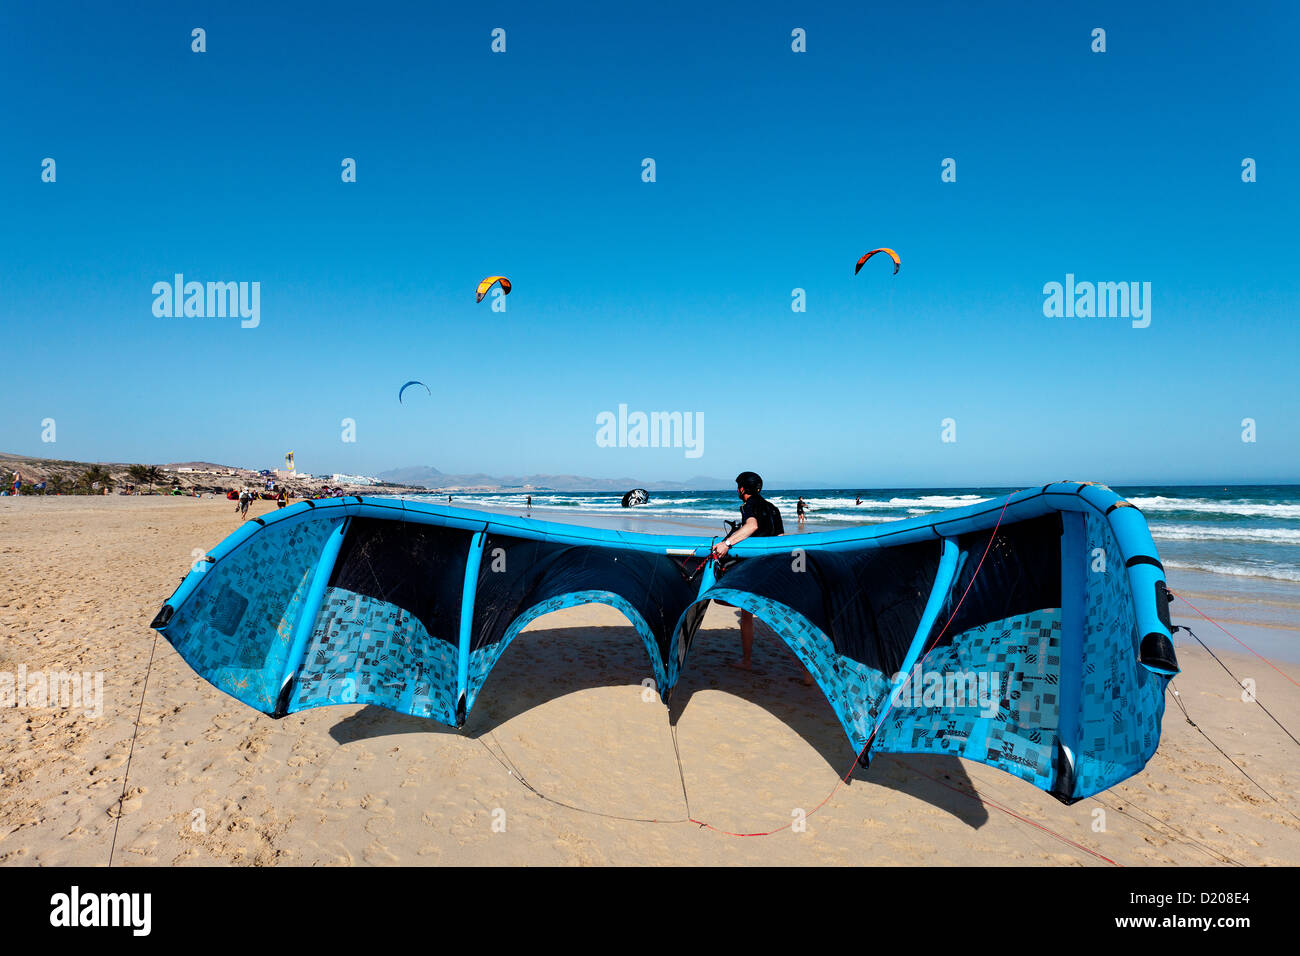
(163, 616)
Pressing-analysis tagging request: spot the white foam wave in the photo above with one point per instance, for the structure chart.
(1272, 572)
(1208, 506)
(1201, 532)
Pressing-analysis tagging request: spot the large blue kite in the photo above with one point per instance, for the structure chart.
(1044, 613)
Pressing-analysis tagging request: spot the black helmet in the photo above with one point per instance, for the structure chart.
(750, 482)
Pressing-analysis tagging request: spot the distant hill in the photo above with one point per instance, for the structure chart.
(217, 476)
(62, 475)
(200, 466)
(420, 475)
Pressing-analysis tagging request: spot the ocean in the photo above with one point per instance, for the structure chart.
(1242, 531)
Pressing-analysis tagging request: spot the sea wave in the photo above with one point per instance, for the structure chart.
(1273, 572)
(924, 503)
(1201, 532)
(1238, 508)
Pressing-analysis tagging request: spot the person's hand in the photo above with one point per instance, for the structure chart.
(720, 549)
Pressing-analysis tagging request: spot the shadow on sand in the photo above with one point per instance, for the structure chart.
(578, 659)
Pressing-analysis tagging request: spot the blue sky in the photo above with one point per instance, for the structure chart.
(775, 171)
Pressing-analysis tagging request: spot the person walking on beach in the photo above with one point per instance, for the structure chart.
(801, 508)
(758, 518)
(245, 499)
(530, 504)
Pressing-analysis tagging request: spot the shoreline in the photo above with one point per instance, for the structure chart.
(1264, 613)
(1275, 633)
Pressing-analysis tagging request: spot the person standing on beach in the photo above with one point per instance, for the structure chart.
(801, 508)
(758, 518)
(530, 504)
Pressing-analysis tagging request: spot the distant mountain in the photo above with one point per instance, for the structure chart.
(419, 475)
(435, 480)
(200, 466)
(63, 476)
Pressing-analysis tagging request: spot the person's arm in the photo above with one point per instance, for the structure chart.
(740, 534)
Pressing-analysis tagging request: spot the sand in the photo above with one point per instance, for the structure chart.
(213, 782)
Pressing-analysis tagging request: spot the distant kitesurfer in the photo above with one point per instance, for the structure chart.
(859, 499)
(758, 517)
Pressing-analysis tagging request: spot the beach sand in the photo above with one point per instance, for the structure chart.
(214, 782)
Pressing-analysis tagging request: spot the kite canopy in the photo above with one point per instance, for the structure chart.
(401, 390)
(889, 252)
(992, 632)
(637, 496)
(487, 284)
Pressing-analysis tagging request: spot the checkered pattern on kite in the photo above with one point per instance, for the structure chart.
(854, 690)
(990, 696)
(1122, 703)
(367, 651)
(236, 627)
(482, 660)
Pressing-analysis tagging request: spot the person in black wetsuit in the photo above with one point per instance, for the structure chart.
(758, 517)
